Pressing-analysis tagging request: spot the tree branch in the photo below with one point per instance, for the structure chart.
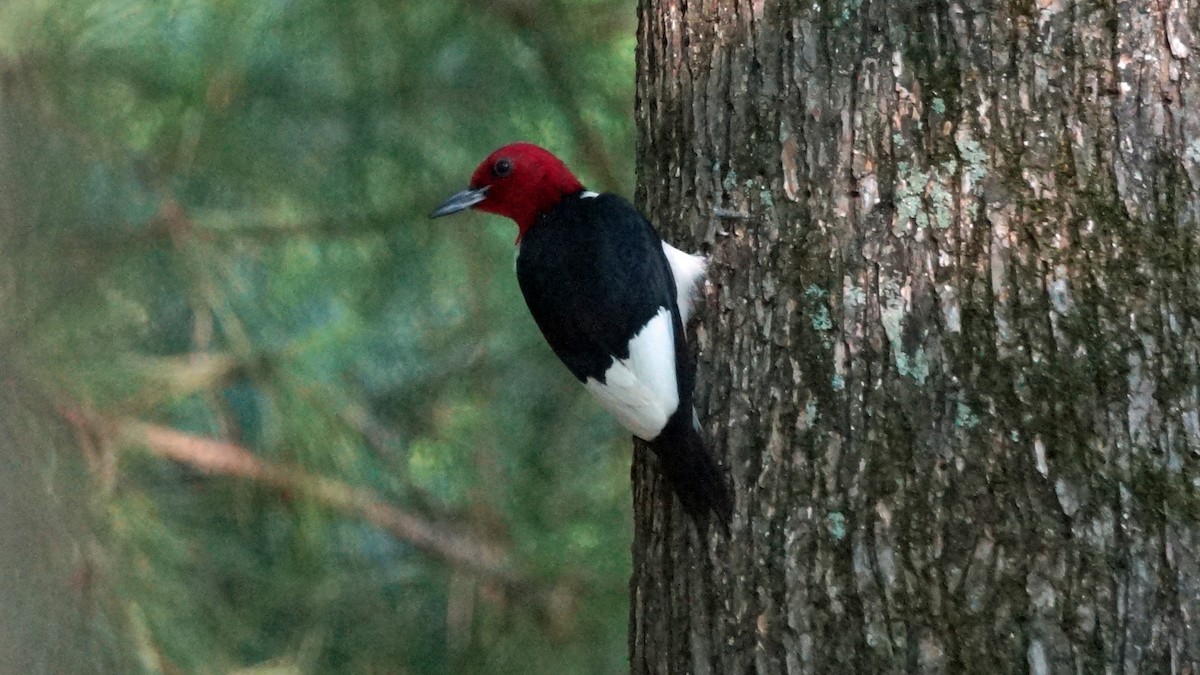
(217, 457)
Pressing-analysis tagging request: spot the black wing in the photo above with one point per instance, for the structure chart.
(593, 273)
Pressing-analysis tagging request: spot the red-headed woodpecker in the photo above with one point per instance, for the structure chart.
(612, 299)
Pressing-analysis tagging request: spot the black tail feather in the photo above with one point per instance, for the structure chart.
(692, 471)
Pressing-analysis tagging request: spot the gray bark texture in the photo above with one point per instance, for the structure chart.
(949, 345)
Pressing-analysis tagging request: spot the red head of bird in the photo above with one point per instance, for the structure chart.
(520, 181)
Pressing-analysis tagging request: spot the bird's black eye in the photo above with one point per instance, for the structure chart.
(502, 167)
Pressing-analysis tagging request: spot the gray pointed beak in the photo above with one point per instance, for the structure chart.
(463, 200)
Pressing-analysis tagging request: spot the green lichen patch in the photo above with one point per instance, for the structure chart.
(965, 417)
(924, 198)
(913, 365)
(973, 156)
(818, 312)
(835, 522)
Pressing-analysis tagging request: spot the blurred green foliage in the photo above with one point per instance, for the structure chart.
(215, 223)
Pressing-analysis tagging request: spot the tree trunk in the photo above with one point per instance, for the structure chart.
(949, 349)
(53, 618)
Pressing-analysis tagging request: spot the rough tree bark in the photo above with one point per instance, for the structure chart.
(950, 347)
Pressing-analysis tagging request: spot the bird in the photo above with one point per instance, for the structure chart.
(612, 300)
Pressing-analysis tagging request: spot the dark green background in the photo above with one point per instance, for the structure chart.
(246, 183)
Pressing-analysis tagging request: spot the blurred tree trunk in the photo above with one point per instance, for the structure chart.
(51, 618)
(951, 339)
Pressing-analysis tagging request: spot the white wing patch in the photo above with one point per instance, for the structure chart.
(688, 270)
(641, 391)
(588, 194)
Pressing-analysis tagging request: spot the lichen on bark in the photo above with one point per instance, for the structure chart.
(950, 344)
